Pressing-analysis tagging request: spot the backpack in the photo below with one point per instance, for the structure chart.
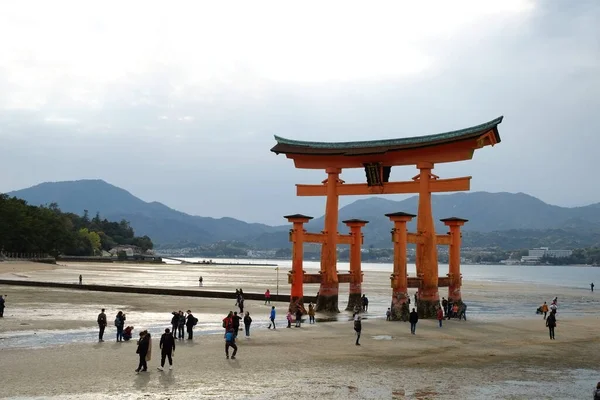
(116, 321)
(195, 321)
(597, 394)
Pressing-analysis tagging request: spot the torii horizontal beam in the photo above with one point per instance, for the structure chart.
(322, 238)
(347, 189)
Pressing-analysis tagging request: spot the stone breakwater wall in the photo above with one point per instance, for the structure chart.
(150, 290)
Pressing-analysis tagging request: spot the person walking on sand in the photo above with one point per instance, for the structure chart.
(545, 309)
(81, 279)
(440, 316)
(247, 322)
(592, 286)
(120, 324)
(357, 329)
(288, 317)
(311, 314)
(230, 342)
(143, 346)
(268, 297)
(413, 318)
(272, 318)
(551, 324)
(167, 349)
(200, 281)
(101, 325)
(2, 305)
(388, 314)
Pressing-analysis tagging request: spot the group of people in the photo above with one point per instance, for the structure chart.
(181, 321)
(239, 299)
(454, 309)
(550, 319)
(297, 316)
(123, 333)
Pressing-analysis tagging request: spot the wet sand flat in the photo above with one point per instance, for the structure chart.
(498, 358)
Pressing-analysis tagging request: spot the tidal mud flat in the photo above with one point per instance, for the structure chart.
(493, 355)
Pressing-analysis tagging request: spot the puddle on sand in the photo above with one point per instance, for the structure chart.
(382, 337)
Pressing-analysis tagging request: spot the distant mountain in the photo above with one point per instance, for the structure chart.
(505, 220)
(485, 211)
(161, 223)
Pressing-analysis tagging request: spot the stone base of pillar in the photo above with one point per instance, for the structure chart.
(296, 302)
(328, 298)
(354, 300)
(454, 293)
(400, 307)
(427, 308)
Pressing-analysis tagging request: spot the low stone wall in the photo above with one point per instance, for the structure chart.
(150, 290)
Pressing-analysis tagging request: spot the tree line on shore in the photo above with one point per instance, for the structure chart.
(30, 229)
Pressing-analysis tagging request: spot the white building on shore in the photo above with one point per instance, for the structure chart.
(535, 255)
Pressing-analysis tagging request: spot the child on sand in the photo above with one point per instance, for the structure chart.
(289, 319)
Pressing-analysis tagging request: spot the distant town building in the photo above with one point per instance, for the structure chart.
(535, 255)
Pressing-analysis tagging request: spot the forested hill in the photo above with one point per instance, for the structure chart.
(38, 229)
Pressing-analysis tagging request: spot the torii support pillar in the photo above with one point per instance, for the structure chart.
(297, 273)
(454, 274)
(354, 297)
(400, 309)
(329, 289)
(427, 262)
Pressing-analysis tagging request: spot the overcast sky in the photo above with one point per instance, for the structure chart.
(178, 102)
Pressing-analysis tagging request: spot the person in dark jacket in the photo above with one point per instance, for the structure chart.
(120, 325)
(357, 329)
(551, 324)
(142, 350)
(247, 322)
(167, 349)
(175, 323)
(180, 325)
(101, 325)
(413, 318)
(190, 323)
(298, 317)
(235, 323)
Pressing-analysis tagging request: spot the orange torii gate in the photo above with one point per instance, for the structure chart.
(377, 158)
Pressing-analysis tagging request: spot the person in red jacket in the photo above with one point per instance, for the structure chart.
(440, 315)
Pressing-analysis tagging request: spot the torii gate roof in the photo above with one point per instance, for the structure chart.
(441, 147)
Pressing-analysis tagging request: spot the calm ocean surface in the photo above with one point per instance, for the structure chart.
(562, 276)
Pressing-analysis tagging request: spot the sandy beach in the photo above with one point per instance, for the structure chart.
(501, 358)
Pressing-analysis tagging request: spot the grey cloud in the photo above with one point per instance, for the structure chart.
(542, 73)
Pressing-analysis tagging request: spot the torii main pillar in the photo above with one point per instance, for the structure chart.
(427, 261)
(329, 289)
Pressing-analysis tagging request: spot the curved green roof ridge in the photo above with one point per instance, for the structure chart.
(393, 142)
